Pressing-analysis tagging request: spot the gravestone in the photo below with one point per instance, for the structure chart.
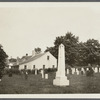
(96, 70)
(77, 71)
(73, 70)
(87, 69)
(99, 69)
(93, 68)
(83, 70)
(67, 71)
(42, 72)
(36, 71)
(61, 79)
(46, 76)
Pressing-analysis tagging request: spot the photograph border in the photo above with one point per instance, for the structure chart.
(52, 96)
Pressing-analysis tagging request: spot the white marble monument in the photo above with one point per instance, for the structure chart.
(61, 79)
(46, 76)
(36, 71)
(77, 71)
(42, 72)
(96, 70)
(83, 70)
(73, 70)
(87, 69)
(67, 71)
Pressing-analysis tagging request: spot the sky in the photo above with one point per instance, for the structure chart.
(25, 26)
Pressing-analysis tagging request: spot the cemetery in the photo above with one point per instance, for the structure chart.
(83, 79)
(40, 84)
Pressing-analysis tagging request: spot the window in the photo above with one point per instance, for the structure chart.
(53, 66)
(25, 66)
(33, 66)
(48, 57)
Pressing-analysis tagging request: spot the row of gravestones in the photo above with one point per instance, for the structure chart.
(73, 71)
(83, 70)
(45, 76)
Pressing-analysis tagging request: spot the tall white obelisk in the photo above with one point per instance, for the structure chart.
(61, 79)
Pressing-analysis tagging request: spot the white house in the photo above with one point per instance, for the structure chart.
(39, 61)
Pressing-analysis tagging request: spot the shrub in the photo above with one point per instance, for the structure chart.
(79, 69)
(29, 71)
(90, 72)
(15, 71)
(48, 70)
(1, 74)
(33, 71)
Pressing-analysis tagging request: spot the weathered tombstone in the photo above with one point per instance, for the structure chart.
(73, 70)
(96, 70)
(83, 70)
(87, 69)
(46, 76)
(77, 71)
(42, 72)
(99, 69)
(61, 79)
(93, 68)
(67, 71)
(36, 71)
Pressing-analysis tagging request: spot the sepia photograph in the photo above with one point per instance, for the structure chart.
(50, 48)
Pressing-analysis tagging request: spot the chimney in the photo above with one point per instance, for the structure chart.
(33, 53)
(26, 54)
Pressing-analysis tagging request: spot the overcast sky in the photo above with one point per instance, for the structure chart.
(23, 28)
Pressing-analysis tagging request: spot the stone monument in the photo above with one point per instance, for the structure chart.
(67, 71)
(77, 71)
(42, 72)
(36, 71)
(61, 79)
(73, 70)
(46, 76)
(96, 70)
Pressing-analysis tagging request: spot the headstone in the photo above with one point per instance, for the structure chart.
(83, 70)
(61, 79)
(42, 73)
(67, 71)
(93, 68)
(46, 76)
(35, 71)
(9, 67)
(77, 71)
(73, 70)
(99, 69)
(87, 69)
(96, 70)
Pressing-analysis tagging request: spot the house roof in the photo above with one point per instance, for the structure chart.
(31, 58)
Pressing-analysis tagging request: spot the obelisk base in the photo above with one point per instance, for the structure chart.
(61, 81)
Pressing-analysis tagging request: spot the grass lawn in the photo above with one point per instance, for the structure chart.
(36, 85)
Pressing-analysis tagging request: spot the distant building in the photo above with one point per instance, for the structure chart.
(11, 62)
(38, 61)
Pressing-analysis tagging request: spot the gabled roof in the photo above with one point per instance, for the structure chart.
(31, 58)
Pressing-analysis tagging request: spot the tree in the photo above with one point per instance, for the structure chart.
(71, 43)
(93, 51)
(82, 54)
(3, 57)
(37, 50)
